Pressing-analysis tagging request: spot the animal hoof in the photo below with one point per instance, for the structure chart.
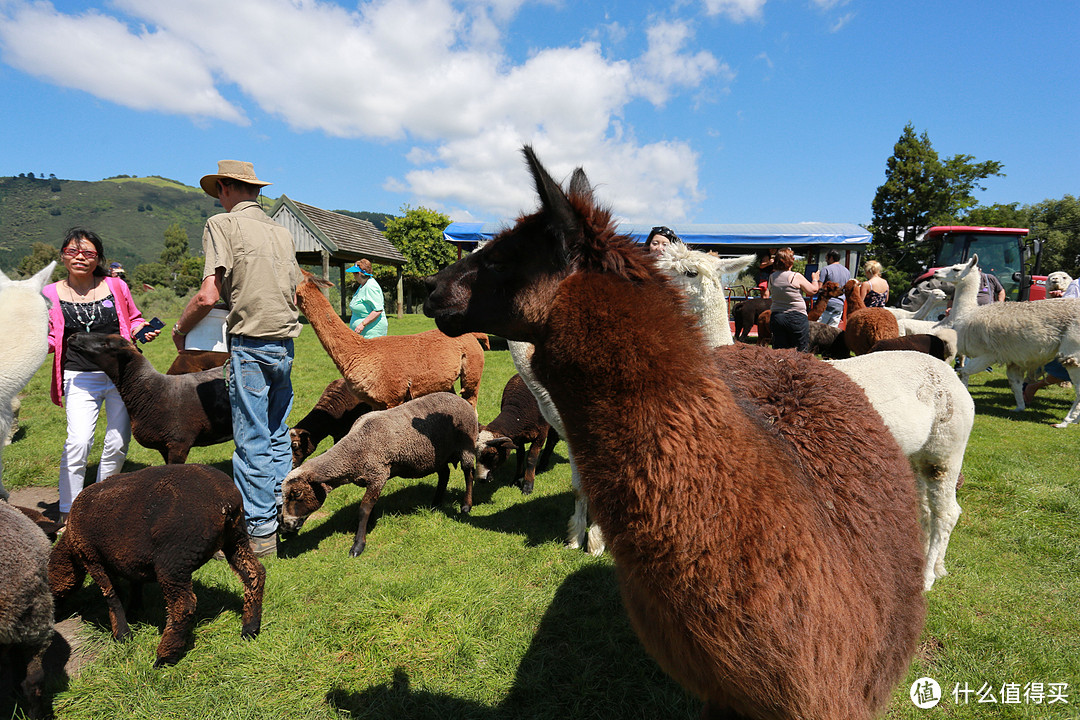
(526, 488)
(167, 660)
(1061, 425)
(249, 633)
(355, 550)
(466, 509)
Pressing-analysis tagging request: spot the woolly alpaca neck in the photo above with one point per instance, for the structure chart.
(965, 296)
(346, 348)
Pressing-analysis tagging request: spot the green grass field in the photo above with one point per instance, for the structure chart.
(488, 616)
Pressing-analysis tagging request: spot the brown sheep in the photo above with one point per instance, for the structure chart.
(865, 326)
(158, 524)
(387, 371)
(929, 344)
(768, 583)
(519, 423)
(333, 415)
(189, 361)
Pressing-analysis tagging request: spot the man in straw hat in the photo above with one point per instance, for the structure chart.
(251, 265)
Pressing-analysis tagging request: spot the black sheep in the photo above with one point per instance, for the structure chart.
(169, 413)
(158, 524)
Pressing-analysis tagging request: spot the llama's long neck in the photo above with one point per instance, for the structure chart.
(854, 301)
(818, 309)
(345, 347)
(630, 378)
(966, 296)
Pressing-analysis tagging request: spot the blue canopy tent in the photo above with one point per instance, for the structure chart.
(811, 240)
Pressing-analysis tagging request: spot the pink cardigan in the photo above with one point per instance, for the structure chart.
(130, 318)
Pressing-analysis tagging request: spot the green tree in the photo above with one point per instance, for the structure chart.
(920, 191)
(1057, 223)
(41, 254)
(418, 235)
(176, 269)
(998, 215)
(176, 245)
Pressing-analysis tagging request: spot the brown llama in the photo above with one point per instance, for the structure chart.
(767, 582)
(388, 371)
(865, 326)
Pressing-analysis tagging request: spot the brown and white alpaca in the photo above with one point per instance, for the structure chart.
(388, 371)
(744, 561)
(865, 326)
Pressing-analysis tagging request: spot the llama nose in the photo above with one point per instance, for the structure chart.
(429, 283)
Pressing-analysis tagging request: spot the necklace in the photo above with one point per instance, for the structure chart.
(93, 311)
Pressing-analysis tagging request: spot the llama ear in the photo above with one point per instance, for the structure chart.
(41, 278)
(973, 262)
(561, 215)
(580, 185)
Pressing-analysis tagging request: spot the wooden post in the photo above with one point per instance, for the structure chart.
(400, 293)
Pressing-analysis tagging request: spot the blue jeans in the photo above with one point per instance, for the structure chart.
(790, 329)
(260, 391)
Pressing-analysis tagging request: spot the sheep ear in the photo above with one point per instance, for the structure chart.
(503, 442)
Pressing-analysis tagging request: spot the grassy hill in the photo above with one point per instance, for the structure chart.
(130, 214)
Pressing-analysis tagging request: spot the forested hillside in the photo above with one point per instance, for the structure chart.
(130, 214)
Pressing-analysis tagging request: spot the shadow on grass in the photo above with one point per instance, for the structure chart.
(583, 642)
(995, 399)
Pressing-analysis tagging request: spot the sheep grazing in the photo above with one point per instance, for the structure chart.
(158, 524)
(25, 324)
(745, 314)
(26, 610)
(333, 415)
(932, 345)
(169, 413)
(387, 371)
(865, 326)
(744, 561)
(519, 423)
(1023, 336)
(412, 440)
(930, 414)
(581, 531)
(700, 276)
(190, 361)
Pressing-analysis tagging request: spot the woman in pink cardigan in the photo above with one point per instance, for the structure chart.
(88, 300)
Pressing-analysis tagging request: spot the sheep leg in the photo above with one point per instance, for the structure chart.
(440, 489)
(530, 465)
(1016, 382)
(251, 572)
(374, 489)
(117, 617)
(180, 612)
(466, 504)
(1074, 377)
(551, 439)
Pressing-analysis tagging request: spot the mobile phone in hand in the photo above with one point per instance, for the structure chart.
(151, 326)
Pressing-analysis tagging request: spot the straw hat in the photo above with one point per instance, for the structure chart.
(234, 169)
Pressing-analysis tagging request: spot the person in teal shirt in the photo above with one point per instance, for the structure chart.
(368, 317)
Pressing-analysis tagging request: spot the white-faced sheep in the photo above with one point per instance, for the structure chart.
(700, 276)
(169, 413)
(159, 524)
(333, 415)
(1023, 336)
(26, 610)
(744, 562)
(24, 325)
(412, 440)
(930, 414)
(518, 425)
(389, 370)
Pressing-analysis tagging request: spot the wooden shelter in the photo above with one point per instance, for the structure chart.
(326, 239)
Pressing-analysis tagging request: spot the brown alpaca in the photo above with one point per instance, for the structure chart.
(865, 326)
(767, 582)
(388, 371)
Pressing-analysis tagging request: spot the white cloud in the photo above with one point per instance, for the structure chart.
(430, 73)
(737, 10)
(143, 70)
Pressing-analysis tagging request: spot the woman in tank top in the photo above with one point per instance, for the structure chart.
(788, 323)
(875, 291)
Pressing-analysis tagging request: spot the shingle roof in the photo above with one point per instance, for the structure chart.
(346, 238)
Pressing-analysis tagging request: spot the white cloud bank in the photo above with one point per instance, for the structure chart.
(431, 74)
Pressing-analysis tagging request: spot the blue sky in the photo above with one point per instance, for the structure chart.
(679, 111)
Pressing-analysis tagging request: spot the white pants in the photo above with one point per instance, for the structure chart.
(84, 392)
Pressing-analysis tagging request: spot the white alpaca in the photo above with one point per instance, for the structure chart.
(24, 326)
(1058, 280)
(933, 303)
(930, 413)
(700, 276)
(1023, 336)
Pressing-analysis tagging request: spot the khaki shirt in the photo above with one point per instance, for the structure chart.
(261, 273)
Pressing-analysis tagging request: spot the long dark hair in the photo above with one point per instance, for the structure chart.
(76, 235)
